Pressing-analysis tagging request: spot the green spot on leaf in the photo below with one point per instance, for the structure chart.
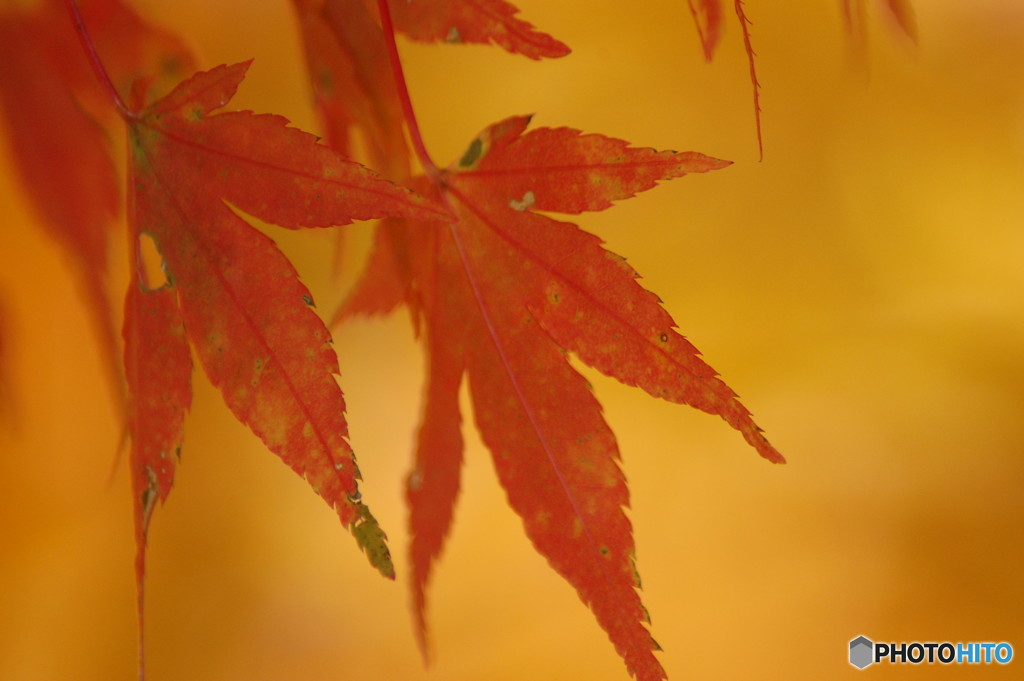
(472, 154)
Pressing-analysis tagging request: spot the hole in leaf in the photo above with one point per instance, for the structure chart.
(151, 264)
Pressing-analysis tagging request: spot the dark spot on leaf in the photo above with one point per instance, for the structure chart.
(308, 300)
(325, 81)
(663, 338)
(529, 198)
(472, 154)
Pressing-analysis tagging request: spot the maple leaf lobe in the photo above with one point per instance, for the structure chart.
(474, 21)
(578, 172)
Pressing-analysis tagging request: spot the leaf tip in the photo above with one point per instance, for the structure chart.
(372, 540)
(766, 449)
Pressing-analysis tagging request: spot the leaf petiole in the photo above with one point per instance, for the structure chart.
(429, 168)
(97, 64)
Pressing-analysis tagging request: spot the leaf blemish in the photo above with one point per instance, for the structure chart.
(472, 154)
(529, 198)
(415, 480)
(258, 367)
(149, 497)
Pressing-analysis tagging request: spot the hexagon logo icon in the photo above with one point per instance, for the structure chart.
(861, 652)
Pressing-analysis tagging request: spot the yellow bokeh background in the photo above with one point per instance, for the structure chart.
(862, 288)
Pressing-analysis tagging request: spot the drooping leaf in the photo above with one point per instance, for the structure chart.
(350, 76)
(58, 123)
(900, 11)
(247, 315)
(503, 293)
(433, 483)
(346, 57)
(474, 21)
(158, 370)
(707, 15)
(748, 47)
(903, 14)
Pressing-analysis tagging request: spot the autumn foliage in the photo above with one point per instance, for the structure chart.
(500, 292)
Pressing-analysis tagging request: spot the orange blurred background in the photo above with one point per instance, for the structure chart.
(862, 288)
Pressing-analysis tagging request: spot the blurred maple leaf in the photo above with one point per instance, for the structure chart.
(901, 12)
(707, 16)
(55, 111)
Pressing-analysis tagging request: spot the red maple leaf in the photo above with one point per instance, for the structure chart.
(502, 294)
(234, 296)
